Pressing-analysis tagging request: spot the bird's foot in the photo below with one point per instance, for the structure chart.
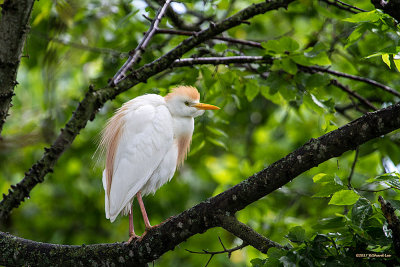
(132, 237)
(149, 227)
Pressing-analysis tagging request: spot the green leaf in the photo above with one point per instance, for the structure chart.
(207, 78)
(265, 91)
(297, 234)
(197, 148)
(328, 189)
(302, 60)
(385, 58)
(356, 35)
(217, 131)
(237, 101)
(284, 44)
(390, 179)
(258, 262)
(221, 47)
(360, 212)
(397, 64)
(289, 66)
(322, 178)
(330, 223)
(272, 45)
(344, 197)
(251, 91)
(317, 81)
(371, 16)
(288, 44)
(217, 143)
(321, 59)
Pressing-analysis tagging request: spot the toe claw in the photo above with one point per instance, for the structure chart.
(132, 237)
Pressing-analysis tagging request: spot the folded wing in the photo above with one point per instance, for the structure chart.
(145, 139)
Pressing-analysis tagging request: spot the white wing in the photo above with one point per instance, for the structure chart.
(146, 138)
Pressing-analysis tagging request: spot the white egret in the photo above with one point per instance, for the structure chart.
(145, 141)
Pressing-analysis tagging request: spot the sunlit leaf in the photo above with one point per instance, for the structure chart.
(371, 16)
(344, 197)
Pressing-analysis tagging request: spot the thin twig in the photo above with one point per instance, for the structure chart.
(80, 46)
(220, 60)
(213, 253)
(344, 6)
(247, 234)
(222, 244)
(221, 38)
(229, 251)
(353, 166)
(136, 54)
(374, 191)
(346, 89)
(352, 77)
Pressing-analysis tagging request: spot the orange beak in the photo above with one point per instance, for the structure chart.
(205, 106)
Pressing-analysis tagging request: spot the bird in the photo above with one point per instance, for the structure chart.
(145, 142)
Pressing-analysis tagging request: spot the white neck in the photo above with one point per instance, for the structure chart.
(183, 126)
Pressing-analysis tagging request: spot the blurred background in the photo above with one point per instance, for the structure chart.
(265, 114)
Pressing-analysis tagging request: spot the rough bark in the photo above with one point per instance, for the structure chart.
(393, 223)
(95, 99)
(14, 26)
(210, 213)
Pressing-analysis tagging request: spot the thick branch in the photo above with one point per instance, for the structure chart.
(137, 53)
(94, 100)
(14, 26)
(393, 222)
(391, 7)
(207, 214)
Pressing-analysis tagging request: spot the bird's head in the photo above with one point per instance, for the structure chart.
(183, 101)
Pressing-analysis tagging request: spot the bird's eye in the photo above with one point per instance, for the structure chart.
(187, 103)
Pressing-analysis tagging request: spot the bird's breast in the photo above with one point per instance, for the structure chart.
(183, 131)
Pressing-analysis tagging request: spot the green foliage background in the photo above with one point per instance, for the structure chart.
(76, 43)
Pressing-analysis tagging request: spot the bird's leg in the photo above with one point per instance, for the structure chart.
(143, 210)
(132, 234)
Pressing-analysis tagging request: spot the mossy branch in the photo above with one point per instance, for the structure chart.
(207, 214)
(14, 26)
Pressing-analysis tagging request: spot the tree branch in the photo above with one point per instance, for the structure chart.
(221, 60)
(363, 100)
(247, 234)
(14, 26)
(95, 99)
(213, 253)
(353, 166)
(352, 77)
(221, 38)
(178, 22)
(344, 6)
(207, 214)
(393, 222)
(136, 54)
